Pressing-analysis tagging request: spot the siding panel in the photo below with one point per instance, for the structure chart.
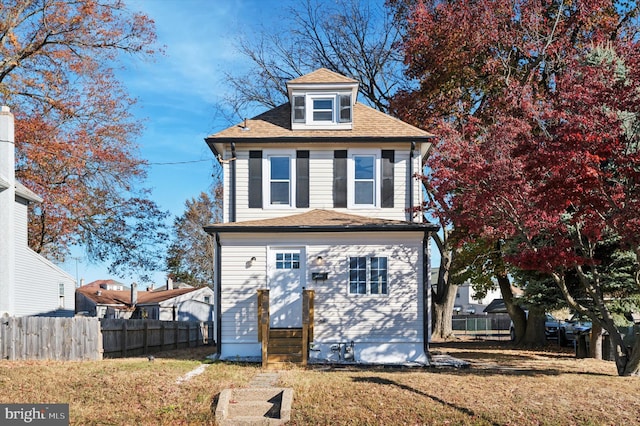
(339, 316)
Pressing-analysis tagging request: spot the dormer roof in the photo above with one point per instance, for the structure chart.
(322, 75)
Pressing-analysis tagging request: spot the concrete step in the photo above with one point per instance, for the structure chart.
(254, 406)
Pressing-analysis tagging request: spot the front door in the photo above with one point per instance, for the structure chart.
(286, 273)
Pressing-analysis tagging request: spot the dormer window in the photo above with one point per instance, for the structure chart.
(323, 109)
(345, 108)
(298, 109)
(319, 110)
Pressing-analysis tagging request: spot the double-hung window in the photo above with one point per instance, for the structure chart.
(280, 180)
(368, 275)
(323, 109)
(363, 179)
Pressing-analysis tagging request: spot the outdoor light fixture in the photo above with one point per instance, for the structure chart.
(250, 262)
(319, 261)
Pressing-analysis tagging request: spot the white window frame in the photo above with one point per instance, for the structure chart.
(331, 110)
(310, 123)
(368, 275)
(266, 178)
(351, 172)
(61, 291)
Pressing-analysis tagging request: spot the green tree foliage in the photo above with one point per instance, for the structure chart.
(190, 257)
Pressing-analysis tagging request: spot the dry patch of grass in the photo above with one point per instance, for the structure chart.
(504, 386)
(129, 391)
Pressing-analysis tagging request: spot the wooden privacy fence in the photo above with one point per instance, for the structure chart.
(123, 337)
(67, 339)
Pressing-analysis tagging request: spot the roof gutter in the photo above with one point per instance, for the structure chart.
(239, 228)
(211, 141)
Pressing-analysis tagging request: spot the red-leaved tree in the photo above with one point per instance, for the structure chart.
(537, 108)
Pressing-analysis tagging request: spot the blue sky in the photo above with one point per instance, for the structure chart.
(177, 95)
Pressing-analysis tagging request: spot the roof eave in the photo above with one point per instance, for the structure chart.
(213, 141)
(410, 227)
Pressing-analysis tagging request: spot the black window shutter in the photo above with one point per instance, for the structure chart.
(302, 179)
(388, 160)
(340, 178)
(255, 179)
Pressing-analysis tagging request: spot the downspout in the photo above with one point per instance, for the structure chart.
(426, 293)
(413, 147)
(232, 184)
(217, 290)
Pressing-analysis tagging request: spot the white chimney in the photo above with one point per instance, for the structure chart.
(7, 211)
(134, 294)
(169, 284)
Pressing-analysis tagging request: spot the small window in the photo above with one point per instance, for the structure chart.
(368, 275)
(323, 109)
(207, 299)
(280, 180)
(345, 108)
(298, 109)
(61, 295)
(287, 260)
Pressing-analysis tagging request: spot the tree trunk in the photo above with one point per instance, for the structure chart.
(632, 367)
(444, 295)
(534, 335)
(517, 314)
(442, 322)
(595, 341)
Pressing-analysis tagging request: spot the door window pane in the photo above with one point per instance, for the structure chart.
(287, 260)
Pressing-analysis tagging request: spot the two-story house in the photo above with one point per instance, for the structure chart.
(30, 285)
(318, 238)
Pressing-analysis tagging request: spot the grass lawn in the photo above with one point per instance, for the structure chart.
(504, 386)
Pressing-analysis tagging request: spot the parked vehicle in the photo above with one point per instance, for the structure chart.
(571, 328)
(551, 326)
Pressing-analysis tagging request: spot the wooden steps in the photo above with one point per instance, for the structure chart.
(285, 346)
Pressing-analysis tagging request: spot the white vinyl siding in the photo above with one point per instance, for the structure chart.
(339, 316)
(321, 187)
(38, 285)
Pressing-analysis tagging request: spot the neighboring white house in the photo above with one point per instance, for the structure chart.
(317, 196)
(468, 301)
(29, 284)
(107, 299)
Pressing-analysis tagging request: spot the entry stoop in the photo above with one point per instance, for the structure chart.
(285, 346)
(254, 406)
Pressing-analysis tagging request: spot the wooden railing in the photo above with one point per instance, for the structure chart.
(263, 324)
(307, 323)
